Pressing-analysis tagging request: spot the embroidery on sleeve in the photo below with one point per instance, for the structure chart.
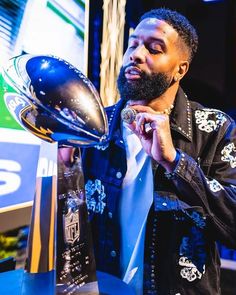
(228, 154)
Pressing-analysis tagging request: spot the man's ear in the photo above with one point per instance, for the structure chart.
(182, 70)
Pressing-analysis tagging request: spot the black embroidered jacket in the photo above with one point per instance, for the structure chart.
(192, 208)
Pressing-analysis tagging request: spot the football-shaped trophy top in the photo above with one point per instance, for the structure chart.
(54, 100)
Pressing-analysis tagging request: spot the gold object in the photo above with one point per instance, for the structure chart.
(128, 114)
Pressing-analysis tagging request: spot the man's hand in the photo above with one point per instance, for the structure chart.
(157, 142)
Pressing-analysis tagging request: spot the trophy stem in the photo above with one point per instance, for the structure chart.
(75, 264)
(60, 228)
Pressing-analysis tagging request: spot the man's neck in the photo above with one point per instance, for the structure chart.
(164, 101)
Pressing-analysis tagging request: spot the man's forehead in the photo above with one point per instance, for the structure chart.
(154, 26)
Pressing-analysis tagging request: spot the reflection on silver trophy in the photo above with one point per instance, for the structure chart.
(56, 102)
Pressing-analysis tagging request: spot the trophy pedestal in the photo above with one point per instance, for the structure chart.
(11, 282)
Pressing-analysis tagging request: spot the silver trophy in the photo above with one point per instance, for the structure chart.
(57, 103)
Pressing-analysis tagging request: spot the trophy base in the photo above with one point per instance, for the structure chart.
(12, 282)
(87, 289)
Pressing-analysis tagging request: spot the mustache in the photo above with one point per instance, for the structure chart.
(131, 64)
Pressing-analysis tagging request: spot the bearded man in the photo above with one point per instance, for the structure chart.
(162, 190)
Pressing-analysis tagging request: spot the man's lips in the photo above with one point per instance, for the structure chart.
(132, 73)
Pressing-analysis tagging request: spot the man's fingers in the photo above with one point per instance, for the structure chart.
(143, 109)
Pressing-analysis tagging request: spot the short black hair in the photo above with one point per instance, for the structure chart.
(180, 23)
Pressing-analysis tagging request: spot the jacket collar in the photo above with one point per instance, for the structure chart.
(114, 122)
(180, 118)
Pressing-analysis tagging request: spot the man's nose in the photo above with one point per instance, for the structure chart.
(139, 54)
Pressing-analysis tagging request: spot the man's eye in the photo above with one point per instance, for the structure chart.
(154, 51)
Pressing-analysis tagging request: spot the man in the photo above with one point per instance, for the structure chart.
(162, 190)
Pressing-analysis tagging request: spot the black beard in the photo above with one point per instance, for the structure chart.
(147, 87)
